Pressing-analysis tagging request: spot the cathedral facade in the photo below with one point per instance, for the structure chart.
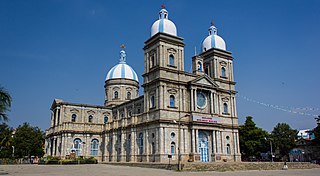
(191, 115)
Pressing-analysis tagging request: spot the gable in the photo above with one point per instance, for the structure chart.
(204, 80)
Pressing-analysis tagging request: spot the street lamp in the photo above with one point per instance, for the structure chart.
(179, 139)
(270, 148)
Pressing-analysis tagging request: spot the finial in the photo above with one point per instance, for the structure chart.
(122, 54)
(212, 23)
(162, 6)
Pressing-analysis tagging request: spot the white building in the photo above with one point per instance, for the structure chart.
(191, 112)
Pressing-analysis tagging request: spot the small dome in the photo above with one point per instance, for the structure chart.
(163, 24)
(122, 70)
(213, 40)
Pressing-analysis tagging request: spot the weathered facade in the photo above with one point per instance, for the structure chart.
(193, 114)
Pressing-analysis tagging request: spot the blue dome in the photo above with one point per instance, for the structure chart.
(122, 70)
(163, 24)
(213, 40)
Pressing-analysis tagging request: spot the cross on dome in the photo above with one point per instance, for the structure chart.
(212, 29)
(163, 12)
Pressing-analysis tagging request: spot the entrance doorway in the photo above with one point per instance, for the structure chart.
(203, 146)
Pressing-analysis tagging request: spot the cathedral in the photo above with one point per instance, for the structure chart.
(182, 116)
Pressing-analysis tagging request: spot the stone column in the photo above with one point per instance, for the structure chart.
(146, 146)
(164, 141)
(193, 139)
(123, 148)
(192, 102)
(221, 142)
(158, 140)
(62, 147)
(218, 142)
(211, 102)
(214, 142)
(196, 140)
(195, 99)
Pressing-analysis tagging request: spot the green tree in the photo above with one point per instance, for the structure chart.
(5, 104)
(5, 141)
(28, 141)
(284, 139)
(316, 130)
(252, 139)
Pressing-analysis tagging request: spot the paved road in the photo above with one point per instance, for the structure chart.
(106, 170)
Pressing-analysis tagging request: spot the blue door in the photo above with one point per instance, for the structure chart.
(203, 147)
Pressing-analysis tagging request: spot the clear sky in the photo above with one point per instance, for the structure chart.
(64, 49)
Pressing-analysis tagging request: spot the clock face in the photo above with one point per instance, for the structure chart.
(201, 101)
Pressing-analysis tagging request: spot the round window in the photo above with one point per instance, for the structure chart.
(173, 135)
(201, 100)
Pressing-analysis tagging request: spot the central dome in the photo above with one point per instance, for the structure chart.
(122, 70)
(163, 24)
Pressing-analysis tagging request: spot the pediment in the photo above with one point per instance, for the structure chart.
(204, 80)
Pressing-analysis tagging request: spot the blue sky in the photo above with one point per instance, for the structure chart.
(64, 49)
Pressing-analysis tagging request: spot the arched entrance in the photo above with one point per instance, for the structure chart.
(203, 146)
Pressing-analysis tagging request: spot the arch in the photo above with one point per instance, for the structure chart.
(171, 60)
(77, 146)
(73, 117)
(203, 146)
(140, 143)
(153, 61)
(225, 108)
(90, 118)
(228, 149)
(173, 148)
(199, 66)
(128, 95)
(116, 95)
(106, 119)
(94, 147)
(223, 72)
(152, 103)
(172, 101)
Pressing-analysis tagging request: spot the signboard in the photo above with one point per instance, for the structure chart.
(205, 119)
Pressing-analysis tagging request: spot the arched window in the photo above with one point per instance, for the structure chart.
(171, 60)
(77, 146)
(228, 149)
(152, 105)
(73, 118)
(173, 148)
(94, 147)
(128, 95)
(172, 101)
(153, 61)
(206, 70)
(225, 107)
(153, 148)
(199, 66)
(106, 119)
(223, 72)
(141, 143)
(128, 150)
(116, 95)
(90, 118)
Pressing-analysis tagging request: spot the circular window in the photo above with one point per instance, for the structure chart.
(201, 100)
(227, 137)
(173, 135)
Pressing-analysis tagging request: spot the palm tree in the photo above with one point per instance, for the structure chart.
(5, 104)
